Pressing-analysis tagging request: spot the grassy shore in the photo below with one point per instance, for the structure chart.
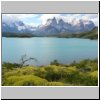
(84, 73)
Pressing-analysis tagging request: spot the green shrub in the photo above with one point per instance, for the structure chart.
(55, 62)
(94, 74)
(40, 72)
(11, 80)
(26, 80)
(27, 70)
(52, 73)
(10, 65)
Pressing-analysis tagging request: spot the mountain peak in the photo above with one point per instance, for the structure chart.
(51, 22)
(61, 21)
(54, 19)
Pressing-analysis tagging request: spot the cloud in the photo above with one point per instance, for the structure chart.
(37, 19)
(18, 16)
(70, 17)
(92, 17)
(89, 16)
(32, 24)
(10, 18)
(44, 17)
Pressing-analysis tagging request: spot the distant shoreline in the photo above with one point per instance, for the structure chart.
(50, 37)
(74, 61)
(93, 34)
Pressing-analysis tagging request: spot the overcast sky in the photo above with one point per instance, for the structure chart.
(38, 19)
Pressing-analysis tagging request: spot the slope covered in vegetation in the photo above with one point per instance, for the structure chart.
(93, 34)
(84, 73)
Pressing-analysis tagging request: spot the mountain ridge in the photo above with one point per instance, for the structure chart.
(52, 27)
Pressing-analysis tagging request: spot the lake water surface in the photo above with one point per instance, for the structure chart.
(45, 49)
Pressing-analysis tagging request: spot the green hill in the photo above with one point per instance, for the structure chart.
(22, 35)
(91, 35)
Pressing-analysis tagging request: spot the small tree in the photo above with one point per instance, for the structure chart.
(24, 59)
(55, 62)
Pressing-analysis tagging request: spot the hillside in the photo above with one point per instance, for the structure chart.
(93, 34)
(9, 34)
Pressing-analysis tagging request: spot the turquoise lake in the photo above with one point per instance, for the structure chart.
(45, 50)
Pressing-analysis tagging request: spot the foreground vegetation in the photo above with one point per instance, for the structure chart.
(84, 73)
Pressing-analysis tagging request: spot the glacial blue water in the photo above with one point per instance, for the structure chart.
(47, 49)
